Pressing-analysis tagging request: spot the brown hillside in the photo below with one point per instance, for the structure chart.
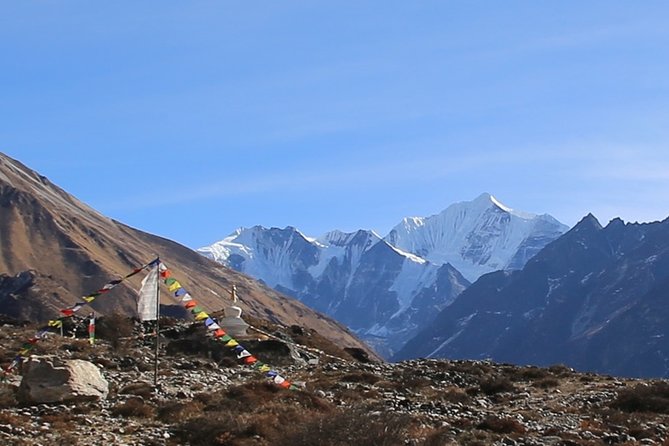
(69, 245)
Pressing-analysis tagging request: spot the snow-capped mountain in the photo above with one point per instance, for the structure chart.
(477, 237)
(594, 299)
(382, 293)
(386, 289)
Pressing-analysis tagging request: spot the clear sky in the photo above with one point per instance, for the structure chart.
(190, 119)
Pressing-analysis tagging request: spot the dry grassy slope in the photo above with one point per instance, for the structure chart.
(43, 228)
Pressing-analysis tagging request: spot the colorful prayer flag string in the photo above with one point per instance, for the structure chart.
(24, 352)
(180, 294)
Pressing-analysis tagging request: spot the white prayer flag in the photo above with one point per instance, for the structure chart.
(148, 296)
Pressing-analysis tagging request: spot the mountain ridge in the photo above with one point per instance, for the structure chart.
(382, 291)
(48, 231)
(593, 299)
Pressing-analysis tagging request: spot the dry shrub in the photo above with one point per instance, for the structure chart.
(62, 421)
(64, 438)
(103, 362)
(644, 398)
(81, 409)
(352, 396)
(212, 429)
(360, 377)
(527, 373)
(348, 427)
(389, 385)
(416, 383)
(546, 383)
(560, 370)
(246, 397)
(252, 413)
(265, 425)
(639, 424)
(471, 368)
(134, 407)
(439, 437)
(143, 389)
(587, 378)
(7, 396)
(474, 438)
(502, 425)
(78, 349)
(456, 395)
(594, 426)
(113, 328)
(498, 384)
(14, 419)
(171, 412)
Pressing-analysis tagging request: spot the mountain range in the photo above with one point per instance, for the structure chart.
(55, 249)
(595, 299)
(387, 288)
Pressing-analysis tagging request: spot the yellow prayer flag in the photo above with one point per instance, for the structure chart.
(232, 343)
(175, 286)
(265, 368)
(201, 316)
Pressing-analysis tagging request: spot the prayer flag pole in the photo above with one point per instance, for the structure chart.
(91, 328)
(155, 368)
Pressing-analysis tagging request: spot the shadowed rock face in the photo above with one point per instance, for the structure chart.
(594, 299)
(61, 249)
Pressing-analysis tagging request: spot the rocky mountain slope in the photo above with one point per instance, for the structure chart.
(385, 289)
(203, 398)
(54, 249)
(595, 299)
(380, 292)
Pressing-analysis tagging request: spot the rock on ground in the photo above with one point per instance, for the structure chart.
(47, 379)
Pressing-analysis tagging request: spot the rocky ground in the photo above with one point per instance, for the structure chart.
(204, 397)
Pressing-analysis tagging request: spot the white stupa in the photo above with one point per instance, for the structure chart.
(233, 323)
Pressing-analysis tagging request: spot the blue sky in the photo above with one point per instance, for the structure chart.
(190, 119)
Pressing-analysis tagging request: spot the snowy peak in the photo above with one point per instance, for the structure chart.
(387, 288)
(359, 238)
(267, 254)
(476, 237)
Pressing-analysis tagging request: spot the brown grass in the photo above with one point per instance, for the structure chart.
(546, 383)
(644, 398)
(135, 408)
(348, 427)
(145, 390)
(7, 396)
(170, 412)
(502, 425)
(113, 328)
(361, 377)
(455, 395)
(494, 385)
(252, 413)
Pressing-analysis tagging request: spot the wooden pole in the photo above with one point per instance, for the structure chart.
(155, 365)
